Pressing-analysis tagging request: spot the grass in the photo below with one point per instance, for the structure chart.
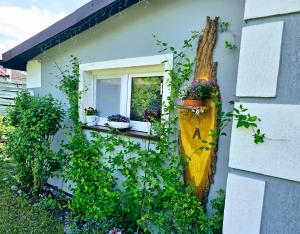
(17, 215)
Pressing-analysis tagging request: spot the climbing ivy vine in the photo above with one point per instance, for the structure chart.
(225, 27)
(136, 186)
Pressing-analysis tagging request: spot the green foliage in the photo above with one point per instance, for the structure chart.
(146, 95)
(218, 205)
(35, 120)
(225, 27)
(22, 102)
(243, 120)
(48, 203)
(200, 89)
(19, 215)
(186, 214)
(90, 111)
(229, 45)
(5, 129)
(69, 85)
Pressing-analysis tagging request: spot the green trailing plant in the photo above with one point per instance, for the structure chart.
(110, 170)
(225, 27)
(69, 85)
(35, 120)
(229, 45)
(243, 119)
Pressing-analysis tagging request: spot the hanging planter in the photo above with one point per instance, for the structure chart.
(193, 102)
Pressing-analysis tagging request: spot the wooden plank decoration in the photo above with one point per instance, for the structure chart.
(196, 141)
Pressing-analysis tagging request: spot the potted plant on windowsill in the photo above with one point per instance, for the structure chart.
(91, 116)
(118, 122)
(197, 92)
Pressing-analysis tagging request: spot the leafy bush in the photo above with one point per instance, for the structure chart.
(48, 203)
(35, 120)
(4, 128)
(218, 205)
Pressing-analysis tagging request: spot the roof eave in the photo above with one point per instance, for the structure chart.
(87, 16)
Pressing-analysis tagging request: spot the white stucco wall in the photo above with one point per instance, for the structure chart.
(243, 205)
(34, 74)
(278, 156)
(264, 8)
(259, 60)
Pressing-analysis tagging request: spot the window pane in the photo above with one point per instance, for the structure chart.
(145, 95)
(108, 97)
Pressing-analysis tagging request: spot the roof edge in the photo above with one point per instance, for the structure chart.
(85, 17)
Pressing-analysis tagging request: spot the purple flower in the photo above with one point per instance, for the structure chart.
(195, 84)
(150, 115)
(200, 89)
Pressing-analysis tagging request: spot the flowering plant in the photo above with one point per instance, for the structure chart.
(118, 118)
(90, 111)
(199, 89)
(150, 115)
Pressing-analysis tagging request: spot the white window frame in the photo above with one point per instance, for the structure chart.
(157, 65)
(123, 86)
(138, 125)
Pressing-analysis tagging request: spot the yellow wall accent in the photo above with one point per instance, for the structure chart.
(201, 165)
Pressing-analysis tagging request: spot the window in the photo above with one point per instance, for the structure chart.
(129, 95)
(128, 87)
(146, 95)
(108, 96)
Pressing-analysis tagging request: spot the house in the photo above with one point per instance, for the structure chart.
(13, 76)
(3, 75)
(11, 81)
(113, 41)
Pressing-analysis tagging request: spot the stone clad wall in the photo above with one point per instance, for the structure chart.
(263, 189)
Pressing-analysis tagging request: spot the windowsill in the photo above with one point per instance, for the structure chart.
(129, 133)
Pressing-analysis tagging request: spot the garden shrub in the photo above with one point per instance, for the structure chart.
(4, 128)
(217, 205)
(35, 120)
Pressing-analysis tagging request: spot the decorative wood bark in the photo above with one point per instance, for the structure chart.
(195, 129)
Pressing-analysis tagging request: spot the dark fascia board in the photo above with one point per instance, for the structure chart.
(80, 20)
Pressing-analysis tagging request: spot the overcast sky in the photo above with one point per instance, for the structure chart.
(21, 19)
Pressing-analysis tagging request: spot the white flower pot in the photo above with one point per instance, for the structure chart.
(118, 125)
(91, 120)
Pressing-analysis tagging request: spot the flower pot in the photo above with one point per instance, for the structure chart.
(193, 102)
(118, 125)
(91, 120)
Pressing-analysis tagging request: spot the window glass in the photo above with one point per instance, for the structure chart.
(108, 97)
(146, 95)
